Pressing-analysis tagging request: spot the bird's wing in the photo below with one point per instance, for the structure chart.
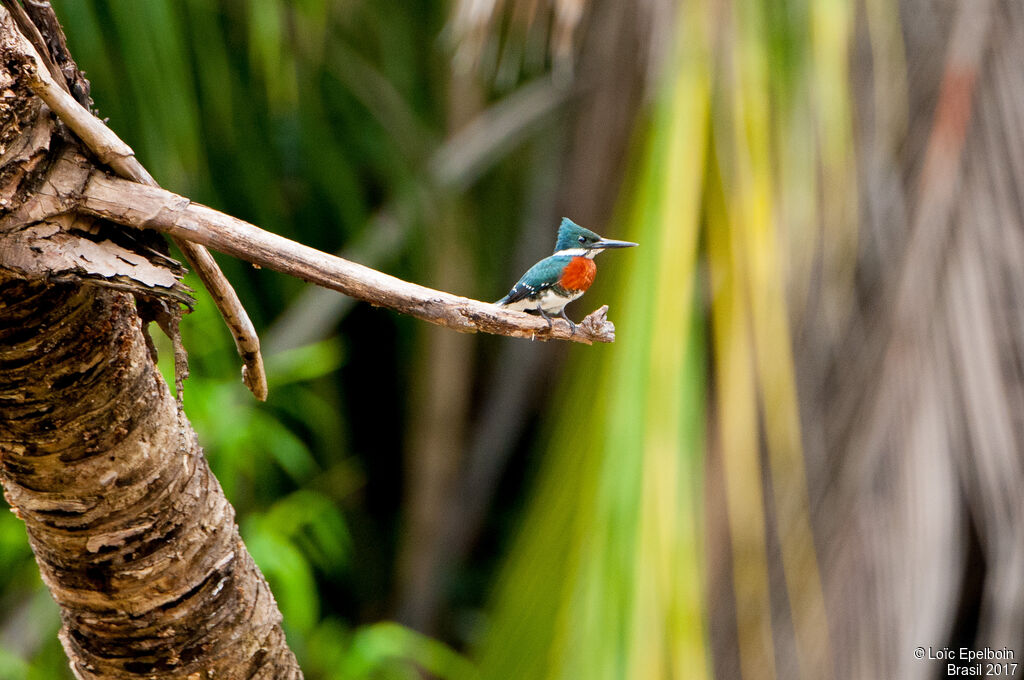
(537, 278)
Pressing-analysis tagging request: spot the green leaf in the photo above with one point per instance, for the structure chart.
(376, 649)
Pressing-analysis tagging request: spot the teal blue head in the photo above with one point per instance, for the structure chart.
(572, 236)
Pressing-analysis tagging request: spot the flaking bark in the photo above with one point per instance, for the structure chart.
(132, 533)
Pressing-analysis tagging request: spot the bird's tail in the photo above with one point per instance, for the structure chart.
(501, 302)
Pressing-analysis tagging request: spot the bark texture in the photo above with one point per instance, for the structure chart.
(132, 533)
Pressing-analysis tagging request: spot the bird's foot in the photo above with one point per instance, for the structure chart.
(572, 325)
(546, 318)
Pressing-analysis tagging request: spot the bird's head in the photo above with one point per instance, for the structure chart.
(573, 237)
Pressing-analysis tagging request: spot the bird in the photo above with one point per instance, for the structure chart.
(548, 286)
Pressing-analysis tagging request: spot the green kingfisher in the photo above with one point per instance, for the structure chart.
(548, 286)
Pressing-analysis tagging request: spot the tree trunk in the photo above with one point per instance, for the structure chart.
(132, 533)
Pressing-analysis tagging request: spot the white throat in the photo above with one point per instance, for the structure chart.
(579, 252)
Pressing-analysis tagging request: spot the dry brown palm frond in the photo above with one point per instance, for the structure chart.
(921, 443)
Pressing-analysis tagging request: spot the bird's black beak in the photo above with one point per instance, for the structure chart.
(607, 243)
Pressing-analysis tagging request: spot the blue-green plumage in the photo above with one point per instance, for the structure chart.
(541, 288)
(537, 279)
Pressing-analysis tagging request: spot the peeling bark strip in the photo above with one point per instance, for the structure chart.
(132, 532)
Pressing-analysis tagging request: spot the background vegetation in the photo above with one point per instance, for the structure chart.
(800, 458)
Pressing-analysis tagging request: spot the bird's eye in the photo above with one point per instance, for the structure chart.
(582, 239)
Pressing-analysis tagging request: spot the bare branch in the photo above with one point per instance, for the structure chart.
(112, 151)
(154, 208)
(138, 202)
(43, 16)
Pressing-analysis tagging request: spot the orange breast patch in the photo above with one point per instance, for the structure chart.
(578, 274)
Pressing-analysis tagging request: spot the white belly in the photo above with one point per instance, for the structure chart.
(548, 301)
